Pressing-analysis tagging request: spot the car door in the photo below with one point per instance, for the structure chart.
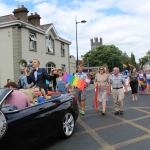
(57, 107)
(26, 126)
(23, 127)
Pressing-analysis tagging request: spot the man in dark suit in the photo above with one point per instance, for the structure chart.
(39, 75)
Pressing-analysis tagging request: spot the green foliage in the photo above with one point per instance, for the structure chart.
(132, 60)
(145, 59)
(105, 54)
(125, 59)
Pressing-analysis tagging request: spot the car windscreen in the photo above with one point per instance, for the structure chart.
(3, 93)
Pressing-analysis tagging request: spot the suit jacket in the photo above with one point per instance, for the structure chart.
(42, 76)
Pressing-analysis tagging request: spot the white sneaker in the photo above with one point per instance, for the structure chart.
(133, 99)
(136, 98)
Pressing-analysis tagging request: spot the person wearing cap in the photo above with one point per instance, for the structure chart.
(117, 81)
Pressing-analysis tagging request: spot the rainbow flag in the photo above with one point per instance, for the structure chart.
(77, 82)
(125, 66)
(130, 65)
(87, 80)
(95, 105)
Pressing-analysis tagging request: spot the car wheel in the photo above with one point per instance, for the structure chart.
(68, 125)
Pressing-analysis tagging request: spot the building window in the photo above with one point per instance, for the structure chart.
(49, 66)
(63, 67)
(50, 45)
(62, 50)
(33, 41)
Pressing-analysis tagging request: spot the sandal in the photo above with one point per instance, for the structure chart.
(103, 113)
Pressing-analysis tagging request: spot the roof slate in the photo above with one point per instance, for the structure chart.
(45, 26)
(7, 18)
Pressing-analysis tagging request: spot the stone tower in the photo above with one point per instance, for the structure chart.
(95, 44)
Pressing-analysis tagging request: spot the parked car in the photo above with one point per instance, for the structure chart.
(21, 129)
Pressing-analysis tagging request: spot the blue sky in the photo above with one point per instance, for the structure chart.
(124, 23)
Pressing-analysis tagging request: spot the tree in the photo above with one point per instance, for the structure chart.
(125, 58)
(105, 54)
(132, 60)
(145, 59)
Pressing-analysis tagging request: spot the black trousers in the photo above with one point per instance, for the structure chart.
(134, 86)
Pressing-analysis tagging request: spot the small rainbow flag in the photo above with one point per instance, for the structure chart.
(77, 82)
(95, 105)
(87, 80)
(130, 65)
(125, 66)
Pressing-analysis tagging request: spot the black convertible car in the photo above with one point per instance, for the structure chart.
(21, 129)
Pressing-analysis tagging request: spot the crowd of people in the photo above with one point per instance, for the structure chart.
(115, 83)
(38, 79)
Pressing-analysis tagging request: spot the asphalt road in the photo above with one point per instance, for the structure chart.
(93, 131)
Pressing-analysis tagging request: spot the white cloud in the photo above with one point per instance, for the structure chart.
(5, 10)
(129, 30)
(34, 1)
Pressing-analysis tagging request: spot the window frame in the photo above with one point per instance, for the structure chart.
(33, 39)
(64, 67)
(47, 47)
(63, 49)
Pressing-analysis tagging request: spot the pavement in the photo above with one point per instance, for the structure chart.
(93, 131)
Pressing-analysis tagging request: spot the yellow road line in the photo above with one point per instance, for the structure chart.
(131, 141)
(93, 134)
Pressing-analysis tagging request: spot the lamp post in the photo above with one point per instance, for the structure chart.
(83, 21)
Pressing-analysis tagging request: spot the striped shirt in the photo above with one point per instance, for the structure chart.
(117, 81)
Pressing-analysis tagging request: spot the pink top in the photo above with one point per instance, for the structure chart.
(19, 99)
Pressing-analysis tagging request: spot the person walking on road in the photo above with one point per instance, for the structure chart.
(101, 80)
(148, 82)
(133, 82)
(117, 81)
(81, 95)
(142, 81)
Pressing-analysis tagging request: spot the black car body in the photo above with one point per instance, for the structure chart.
(21, 129)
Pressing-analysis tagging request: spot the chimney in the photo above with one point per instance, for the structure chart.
(21, 13)
(34, 19)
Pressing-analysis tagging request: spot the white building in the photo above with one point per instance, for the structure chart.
(72, 64)
(22, 37)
